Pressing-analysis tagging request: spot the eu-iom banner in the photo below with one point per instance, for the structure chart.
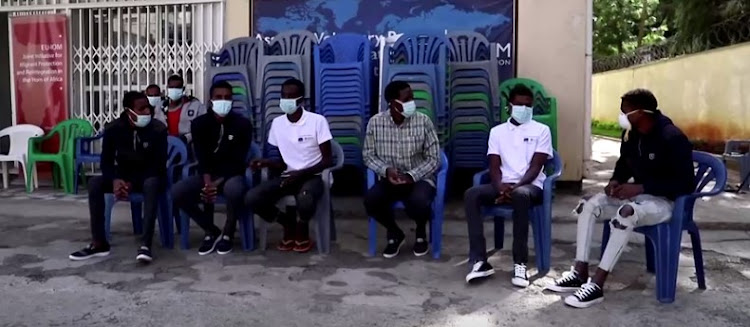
(493, 18)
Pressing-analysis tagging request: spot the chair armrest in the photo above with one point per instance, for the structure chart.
(188, 168)
(371, 178)
(478, 177)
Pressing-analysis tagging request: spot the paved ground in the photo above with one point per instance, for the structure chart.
(40, 287)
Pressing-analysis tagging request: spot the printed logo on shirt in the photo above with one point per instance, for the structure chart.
(191, 112)
(145, 145)
(651, 156)
(304, 138)
(231, 137)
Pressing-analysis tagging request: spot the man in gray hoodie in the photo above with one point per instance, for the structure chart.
(179, 110)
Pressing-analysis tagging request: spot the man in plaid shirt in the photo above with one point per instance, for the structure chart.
(402, 147)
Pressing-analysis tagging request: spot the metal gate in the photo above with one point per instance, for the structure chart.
(124, 45)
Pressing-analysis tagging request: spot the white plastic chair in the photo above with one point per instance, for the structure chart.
(19, 146)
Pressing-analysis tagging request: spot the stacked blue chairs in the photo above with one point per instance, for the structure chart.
(541, 215)
(296, 43)
(177, 157)
(85, 154)
(663, 240)
(242, 91)
(420, 60)
(342, 93)
(472, 97)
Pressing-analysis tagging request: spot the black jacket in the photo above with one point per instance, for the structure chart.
(134, 154)
(221, 147)
(662, 160)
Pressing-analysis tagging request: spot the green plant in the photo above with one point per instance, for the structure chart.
(607, 129)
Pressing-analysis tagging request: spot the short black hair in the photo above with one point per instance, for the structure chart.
(220, 85)
(520, 90)
(130, 97)
(393, 89)
(176, 78)
(641, 99)
(293, 81)
(153, 86)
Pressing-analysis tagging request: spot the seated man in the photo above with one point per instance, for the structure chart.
(658, 156)
(221, 141)
(180, 109)
(517, 151)
(304, 141)
(134, 159)
(402, 147)
(153, 92)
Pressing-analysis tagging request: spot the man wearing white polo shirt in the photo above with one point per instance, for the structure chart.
(517, 151)
(304, 141)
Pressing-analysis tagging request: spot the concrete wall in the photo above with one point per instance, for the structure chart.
(706, 94)
(551, 48)
(237, 19)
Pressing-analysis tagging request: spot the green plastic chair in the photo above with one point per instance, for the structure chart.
(353, 140)
(543, 103)
(471, 97)
(63, 160)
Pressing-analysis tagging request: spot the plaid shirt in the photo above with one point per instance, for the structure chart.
(412, 147)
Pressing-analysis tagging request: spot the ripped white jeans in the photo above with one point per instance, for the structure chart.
(648, 210)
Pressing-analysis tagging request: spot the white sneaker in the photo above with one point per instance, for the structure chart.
(481, 269)
(520, 278)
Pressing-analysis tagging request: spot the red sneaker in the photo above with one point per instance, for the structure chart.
(303, 246)
(285, 245)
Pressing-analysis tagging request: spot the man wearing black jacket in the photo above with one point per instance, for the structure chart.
(658, 158)
(221, 139)
(134, 159)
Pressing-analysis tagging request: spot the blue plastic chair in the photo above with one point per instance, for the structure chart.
(663, 240)
(177, 156)
(85, 155)
(436, 224)
(247, 224)
(540, 215)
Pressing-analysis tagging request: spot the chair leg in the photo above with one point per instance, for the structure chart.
(164, 218)
(372, 236)
(323, 217)
(76, 176)
(695, 238)
(263, 235)
(650, 252)
(436, 233)
(5, 175)
(22, 171)
(542, 239)
(136, 210)
(109, 204)
(36, 176)
(184, 230)
(499, 232)
(667, 261)
(31, 180)
(247, 228)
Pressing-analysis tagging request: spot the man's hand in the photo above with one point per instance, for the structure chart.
(504, 191)
(394, 176)
(405, 179)
(258, 164)
(121, 189)
(627, 191)
(290, 177)
(613, 184)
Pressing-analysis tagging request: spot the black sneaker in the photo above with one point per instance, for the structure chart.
(569, 282)
(144, 255)
(394, 245)
(481, 269)
(421, 247)
(90, 252)
(224, 245)
(208, 245)
(520, 277)
(586, 296)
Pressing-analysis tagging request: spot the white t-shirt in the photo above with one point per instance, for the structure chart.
(299, 143)
(516, 146)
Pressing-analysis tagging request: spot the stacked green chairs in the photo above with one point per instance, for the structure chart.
(63, 161)
(545, 106)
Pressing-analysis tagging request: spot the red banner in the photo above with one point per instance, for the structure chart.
(40, 66)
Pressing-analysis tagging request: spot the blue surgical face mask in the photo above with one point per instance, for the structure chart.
(288, 106)
(409, 107)
(175, 94)
(521, 114)
(140, 120)
(155, 102)
(221, 107)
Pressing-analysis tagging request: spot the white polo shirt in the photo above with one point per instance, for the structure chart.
(516, 146)
(299, 143)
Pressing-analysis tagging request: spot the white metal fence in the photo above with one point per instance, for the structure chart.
(124, 45)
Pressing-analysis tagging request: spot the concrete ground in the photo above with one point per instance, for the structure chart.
(41, 287)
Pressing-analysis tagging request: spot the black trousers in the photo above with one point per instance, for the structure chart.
(417, 198)
(522, 199)
(150, 188)
(306, 191)
(187, 197)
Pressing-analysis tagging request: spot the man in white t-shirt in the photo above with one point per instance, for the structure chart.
(304, 141)
(517, 151)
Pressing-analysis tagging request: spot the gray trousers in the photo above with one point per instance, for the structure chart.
(187, 197)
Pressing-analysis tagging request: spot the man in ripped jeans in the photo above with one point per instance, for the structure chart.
(658, 157)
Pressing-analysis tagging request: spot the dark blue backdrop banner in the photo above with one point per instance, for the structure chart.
(492, 18)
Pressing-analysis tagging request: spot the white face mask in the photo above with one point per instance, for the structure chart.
(521, 114)
(155, 102)
(221, 107)
(624, 121)
(175, 94)
(288, 106)
(140, 120)
(409, 107)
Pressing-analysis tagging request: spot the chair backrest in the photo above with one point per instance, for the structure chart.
(177, 153)
(468, 47)
(338, 155)
(344, 48)
(553, 166)
(69, 130)
(299, 42)
(19, 136)
(709, 169)
(419, 49)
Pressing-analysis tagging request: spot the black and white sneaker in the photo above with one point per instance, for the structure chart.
(520, 277)
(586, 296)
(394, 245)
(208, 245)
(224, 245)
(421, 247)
(144, 255)
(481, 269)
(90, 252)
(569, 282)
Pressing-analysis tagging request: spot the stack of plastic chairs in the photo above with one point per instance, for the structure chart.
(473, 99)
(545, 106)
(288, 56)
(420, 60)
(342, 93)
(237, 64)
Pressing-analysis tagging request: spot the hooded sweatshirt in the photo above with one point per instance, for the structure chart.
(134, 154)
